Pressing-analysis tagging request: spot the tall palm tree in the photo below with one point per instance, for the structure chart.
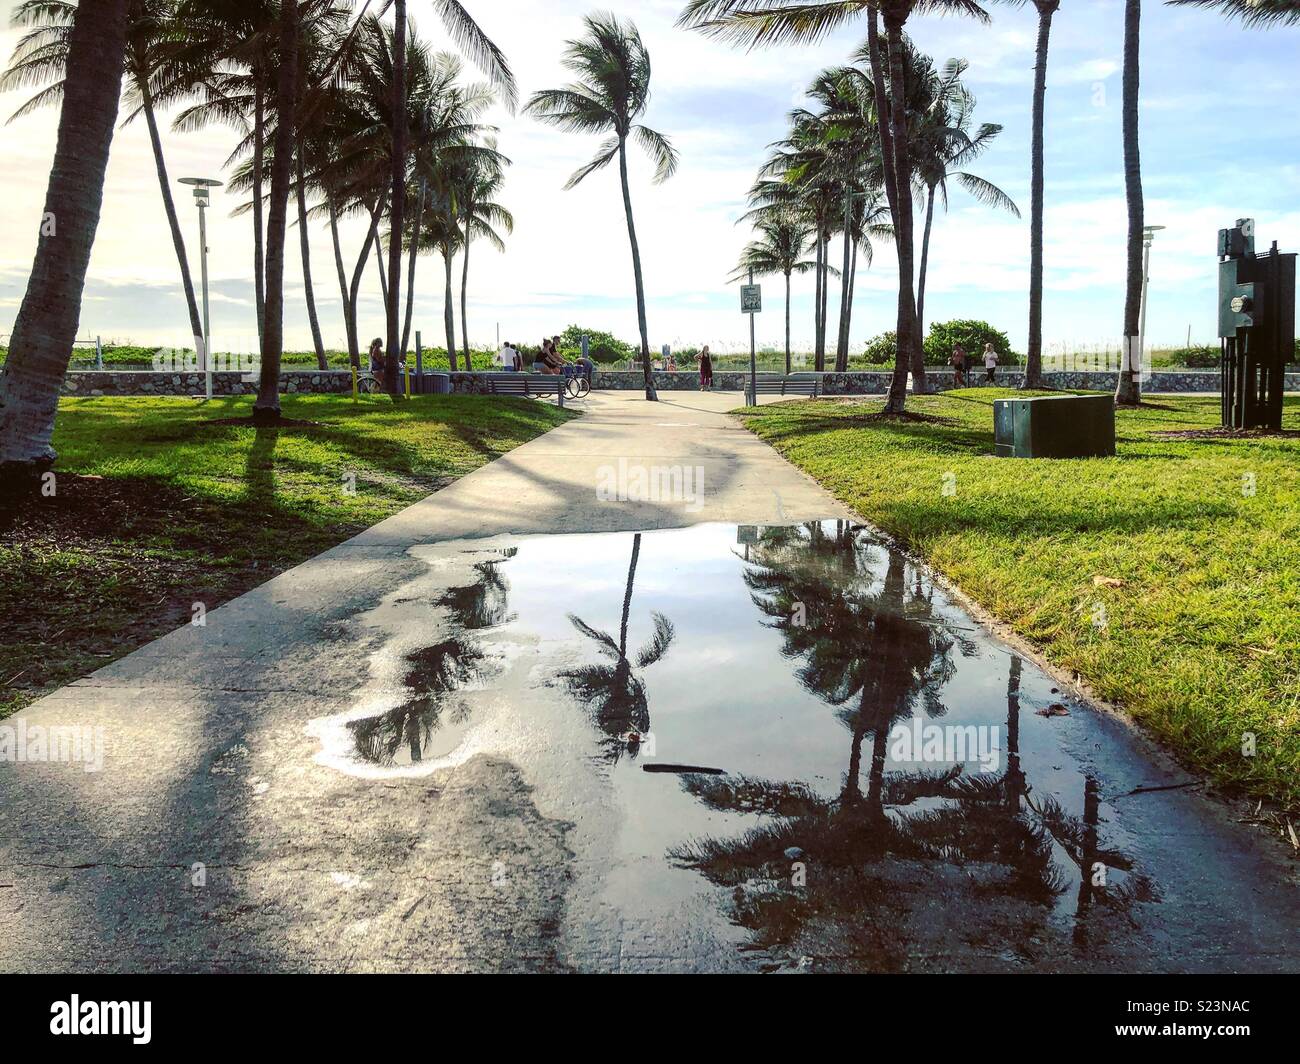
(1034, 355)
(482, 218)
(42, 54)
(612, 66)
(780, 248)
(480, 50)
(229, 47)
(41, 342)
(1129, 390)
(1251, 12)
(266, 407)
(754, 22)
(945, 144)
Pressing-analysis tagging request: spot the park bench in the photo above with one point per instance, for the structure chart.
(785, 386)
(526, 384)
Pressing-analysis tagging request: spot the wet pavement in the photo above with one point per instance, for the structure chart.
(783, 748)
(774, 747)
(719, 748)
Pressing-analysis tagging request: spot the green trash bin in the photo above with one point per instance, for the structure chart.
(1055, 426)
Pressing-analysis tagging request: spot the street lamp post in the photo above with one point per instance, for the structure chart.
(1148, 238)
(202, 187)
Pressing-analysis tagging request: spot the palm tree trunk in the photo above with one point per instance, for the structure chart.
(397, 198)
(853, 279)
(259, 254)
(410, 268)
(349, 322)
(448, 309)
(1129, 391)
(354, 294)
(169, 205)
(266, 408)
(41, 342)
(908, 338)
(464, 303)
(379, 265)
(304, 239)
(925, 262)
(846, 308)
(1034, 356)
(650, 393)
(787, 324)
(896, 401)
(826, 294)
(819, 338)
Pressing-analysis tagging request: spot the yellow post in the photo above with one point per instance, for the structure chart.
(354, 384)
(408, 380)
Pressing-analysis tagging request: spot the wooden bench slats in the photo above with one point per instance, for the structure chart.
(787, 386)
(526, 384)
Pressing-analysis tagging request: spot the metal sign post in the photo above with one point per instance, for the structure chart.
(751, 303)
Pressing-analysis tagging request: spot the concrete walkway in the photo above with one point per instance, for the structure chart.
(218, 837)
(211, 839)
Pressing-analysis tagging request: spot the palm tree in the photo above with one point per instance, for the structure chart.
(481, 218)
(42, 54)
(41, 342)
(754, 22)
(1129, 390)
(442, 234)
(1251, 12)
(1034, 356)
(229, 49)
(943, 145)
(266, 407)
(783, 242)
(466, 33)
(612, 91)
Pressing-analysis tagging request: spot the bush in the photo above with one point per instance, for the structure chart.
(972, 335)
(1203, 356)
(883, 350)
(602, 346)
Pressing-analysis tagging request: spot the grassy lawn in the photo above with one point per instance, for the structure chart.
(1156, 575)
(159, 506)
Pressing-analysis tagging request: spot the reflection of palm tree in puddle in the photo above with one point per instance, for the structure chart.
(484, 603)
(435, 672)
(871, 861)
(613, 692)
(866, 648)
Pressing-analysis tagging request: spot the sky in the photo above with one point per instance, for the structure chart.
(1220, 132)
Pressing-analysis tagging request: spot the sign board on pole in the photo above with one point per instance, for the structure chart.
(751, 299)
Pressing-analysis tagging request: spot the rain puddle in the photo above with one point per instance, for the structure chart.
(779, 748)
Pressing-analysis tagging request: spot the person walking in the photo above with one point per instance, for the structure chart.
(377, 357)
(706, 369)
(990, 364)
(958, 363)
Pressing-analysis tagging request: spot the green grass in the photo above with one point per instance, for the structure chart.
(1202, 639)
(157, 508)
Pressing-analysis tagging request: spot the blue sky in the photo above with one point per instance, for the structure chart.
(1220, 129)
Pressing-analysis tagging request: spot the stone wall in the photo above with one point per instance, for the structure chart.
(334, 382)
(151, 382)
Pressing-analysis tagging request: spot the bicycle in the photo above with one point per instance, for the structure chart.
(577, 383)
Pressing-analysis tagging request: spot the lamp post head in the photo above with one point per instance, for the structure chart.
(201, 186)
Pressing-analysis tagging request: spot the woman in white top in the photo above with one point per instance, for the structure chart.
(990, 363)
